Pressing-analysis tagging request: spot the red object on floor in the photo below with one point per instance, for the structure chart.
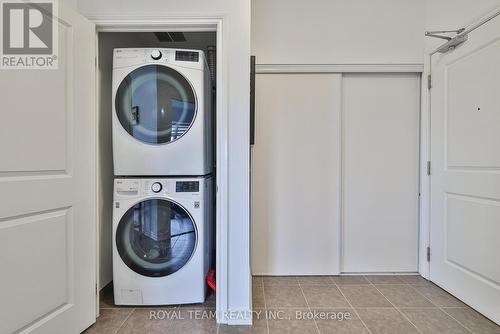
(211, 279)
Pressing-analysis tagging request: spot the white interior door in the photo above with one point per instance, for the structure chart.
(295, 168)
(380, 174)
(47, 189)
(465, 180)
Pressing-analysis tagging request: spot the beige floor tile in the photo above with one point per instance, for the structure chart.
(322, 280)
(348, 280)
(290, 321)
(324, 296)
(259, 326)
(280, 280)
(194, 321)
(284, 296)
(473, 320)
(109, 321)
(339, 321)
(386, 321)
(257, 281)
(433, 321)
(438, 296)
(364, 296)
(404, 296)
(384, 279)
(207, 304)
(258, 297)
(149, 320)
(414, 279)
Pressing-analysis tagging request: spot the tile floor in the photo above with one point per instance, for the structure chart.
(322, 304)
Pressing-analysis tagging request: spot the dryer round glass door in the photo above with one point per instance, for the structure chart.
(156, 237)
(155, 104)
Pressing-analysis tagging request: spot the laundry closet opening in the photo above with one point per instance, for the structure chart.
(157, 166)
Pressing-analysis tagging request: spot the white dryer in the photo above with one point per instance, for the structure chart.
(161, 240)
(162, 119)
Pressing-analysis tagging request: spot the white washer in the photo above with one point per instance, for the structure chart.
(161, 240)
(162, 119)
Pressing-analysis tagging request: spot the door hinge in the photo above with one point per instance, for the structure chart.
(96, 289)
(428, 168)
(428, 254)
(429, 81)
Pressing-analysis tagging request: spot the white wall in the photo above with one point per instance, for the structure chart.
(337, 31)
(236, 40)
(452, 14)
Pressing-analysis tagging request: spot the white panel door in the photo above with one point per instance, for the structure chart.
(295, 174)
(465, 180)
(47, 189)
(380, 159)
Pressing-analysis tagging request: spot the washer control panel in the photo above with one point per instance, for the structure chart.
(127, 187)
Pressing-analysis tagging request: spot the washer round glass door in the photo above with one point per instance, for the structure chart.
(155, 104)
(156, 237)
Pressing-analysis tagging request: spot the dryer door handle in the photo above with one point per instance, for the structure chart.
(135, 115)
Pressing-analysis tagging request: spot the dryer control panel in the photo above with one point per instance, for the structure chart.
(125, 57)
(127, 187)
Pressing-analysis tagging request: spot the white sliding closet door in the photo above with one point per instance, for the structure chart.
(380, 126)
(295, 174)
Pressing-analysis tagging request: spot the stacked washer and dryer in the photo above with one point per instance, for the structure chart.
(162, 154)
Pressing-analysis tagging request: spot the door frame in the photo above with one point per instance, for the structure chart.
(216, 23)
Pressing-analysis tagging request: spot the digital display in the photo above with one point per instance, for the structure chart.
(187, 56)
(187, 186)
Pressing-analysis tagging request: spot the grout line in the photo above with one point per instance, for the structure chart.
(467, 307)
(354, 309)
(398, 310)
(125, 320)
(418, 292)
(308, 306)
(442, 309)
(461, 324)
(265, 304)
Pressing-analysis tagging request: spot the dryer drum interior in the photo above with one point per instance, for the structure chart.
(156, 237)
(155, 104)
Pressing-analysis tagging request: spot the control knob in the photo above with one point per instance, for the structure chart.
(156, 187)
(156, 54)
